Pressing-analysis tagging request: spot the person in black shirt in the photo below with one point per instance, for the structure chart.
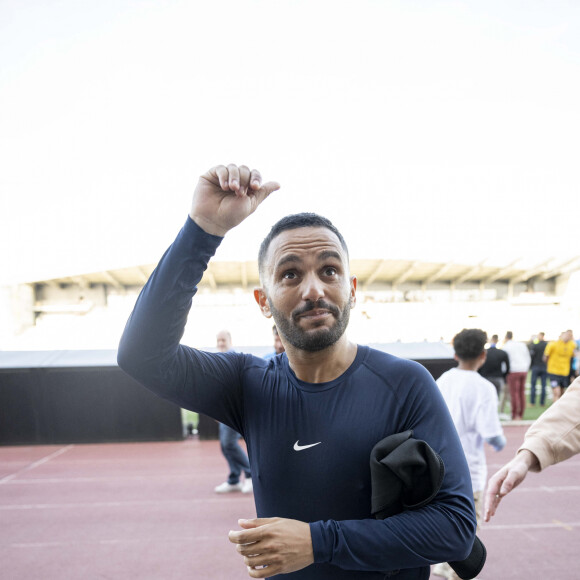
(537, 348)
(496, 368)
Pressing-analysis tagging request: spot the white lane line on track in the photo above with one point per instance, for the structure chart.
(116, 541)
(106, 504)
(59, 480)
(554, 524)
(573, 462)
(36, 464)
(548, 489)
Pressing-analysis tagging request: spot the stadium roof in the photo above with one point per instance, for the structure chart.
(244, 274)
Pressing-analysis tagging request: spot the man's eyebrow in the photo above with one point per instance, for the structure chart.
(287, 259)
(293, 258)
(327, 254)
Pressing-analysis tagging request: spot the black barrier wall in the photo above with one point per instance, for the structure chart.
(60, 397)
(81, 405)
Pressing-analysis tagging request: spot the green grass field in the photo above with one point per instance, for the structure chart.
(189, 417)
(532, 413)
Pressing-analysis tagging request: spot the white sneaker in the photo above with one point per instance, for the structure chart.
(442, 569)
(247, 486)
(226, 487)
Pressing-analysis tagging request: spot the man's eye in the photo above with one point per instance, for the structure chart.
(289, 275)
(330, 271)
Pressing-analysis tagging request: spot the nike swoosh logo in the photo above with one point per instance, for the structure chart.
(302, 447)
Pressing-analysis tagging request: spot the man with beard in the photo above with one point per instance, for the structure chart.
(310, 416)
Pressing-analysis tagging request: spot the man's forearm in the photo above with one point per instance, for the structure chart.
(407, 540)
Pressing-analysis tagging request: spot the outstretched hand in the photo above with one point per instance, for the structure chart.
(507, 479)
(273, 546)
(226, 196)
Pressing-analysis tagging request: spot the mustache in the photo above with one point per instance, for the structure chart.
(309, 306)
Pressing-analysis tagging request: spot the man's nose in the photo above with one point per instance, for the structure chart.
(313, 288)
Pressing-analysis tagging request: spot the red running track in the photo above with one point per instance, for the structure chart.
(148, 511)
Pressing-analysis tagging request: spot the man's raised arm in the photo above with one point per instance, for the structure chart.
(149, 350)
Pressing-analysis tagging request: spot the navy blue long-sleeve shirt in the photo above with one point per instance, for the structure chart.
(309, 444)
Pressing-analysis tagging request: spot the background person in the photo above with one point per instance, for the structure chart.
(310, 417)
(495, 369)
(574, 359)
(537, 347)
(229, 442)
(553, 437)
(472, 402)
(558, 355)
(278, 346)
(519, 356)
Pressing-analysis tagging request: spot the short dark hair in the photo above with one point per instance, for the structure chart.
(509, 335)
(469, 343)
(295, 221)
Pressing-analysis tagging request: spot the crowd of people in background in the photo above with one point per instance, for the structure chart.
(479, 387)
(554, 363)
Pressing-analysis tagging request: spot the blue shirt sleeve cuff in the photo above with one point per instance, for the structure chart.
(193, 229)
(321, 542)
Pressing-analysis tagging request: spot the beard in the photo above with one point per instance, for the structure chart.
(317, 339)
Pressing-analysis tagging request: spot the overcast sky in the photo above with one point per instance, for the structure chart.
(424, 129)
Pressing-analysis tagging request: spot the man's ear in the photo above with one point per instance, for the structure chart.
(262, 300)
(352, 291)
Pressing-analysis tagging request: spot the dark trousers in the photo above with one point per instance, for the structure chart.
(517, 385)
(542, 374)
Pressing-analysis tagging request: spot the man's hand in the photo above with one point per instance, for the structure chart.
(273, 546)
(506, 479)
(226, 196)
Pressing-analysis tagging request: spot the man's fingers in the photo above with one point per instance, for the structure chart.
(266, 190)
(262, 572)
(244, 179)
(255, 179)
(250, 533)
(270, 186)
(491, 503)
(256, 522)
(219, 172)
(493, 493)
(246, 536)
(239, 537)
(241, 180)
(234, 177)
(511, 481)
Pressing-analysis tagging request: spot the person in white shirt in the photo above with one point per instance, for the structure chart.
(520, 361)
(472, 402)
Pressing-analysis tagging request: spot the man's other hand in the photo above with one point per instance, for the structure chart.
(273, 546)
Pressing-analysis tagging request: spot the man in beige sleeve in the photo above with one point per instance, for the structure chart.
(553, 437)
